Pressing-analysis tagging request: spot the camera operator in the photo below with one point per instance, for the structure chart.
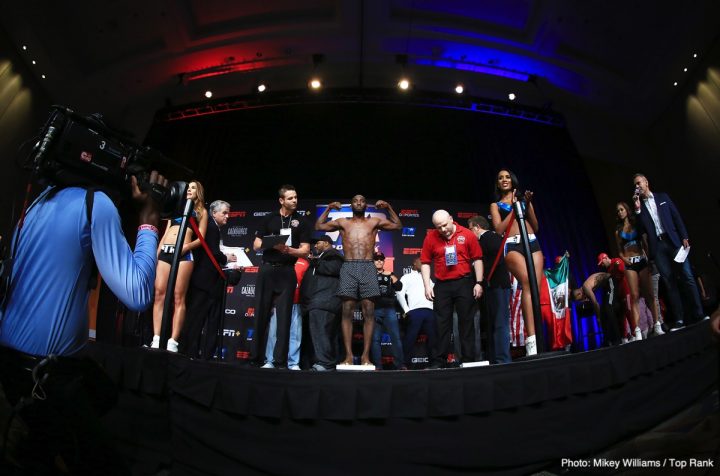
(57, 392)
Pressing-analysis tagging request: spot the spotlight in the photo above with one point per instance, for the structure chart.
(459, 89)
(315, 83)
(511, 96)
(685, 70)
(42, 76)
(208, 94)
(24, 47)
(33, 62)
(261, 88)
(675, 83)
(694, 55)
(404, 84)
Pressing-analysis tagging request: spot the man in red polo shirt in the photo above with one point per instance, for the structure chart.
(455, 253)
(616, 268)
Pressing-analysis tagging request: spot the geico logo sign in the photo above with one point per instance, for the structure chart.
(419, 360)
(230, 311)
(237, 231)
(261, 214)
(248, 290)
(409, 213)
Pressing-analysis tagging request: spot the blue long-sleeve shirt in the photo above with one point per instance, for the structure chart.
(47, 310)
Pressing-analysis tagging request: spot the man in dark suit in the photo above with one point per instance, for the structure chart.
(659, 219)
(497, 294)
(205, 295)
(318, 294)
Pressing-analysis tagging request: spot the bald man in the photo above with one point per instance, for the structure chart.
(456, 256)
(358, 277)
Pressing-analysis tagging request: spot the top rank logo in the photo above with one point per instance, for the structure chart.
(407, 212)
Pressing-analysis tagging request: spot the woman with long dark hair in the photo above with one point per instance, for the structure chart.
(166, 249)
(506, 188)
(637, 272)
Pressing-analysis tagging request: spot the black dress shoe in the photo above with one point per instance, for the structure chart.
(677, 325)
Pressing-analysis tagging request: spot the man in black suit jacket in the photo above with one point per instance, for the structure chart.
(205, 295)
(318, 295)
(658, 217)
(497, 291)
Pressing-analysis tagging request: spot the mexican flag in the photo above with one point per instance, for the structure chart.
(555, 305)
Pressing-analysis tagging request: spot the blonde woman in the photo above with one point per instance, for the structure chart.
(637, 272)
(166, 249)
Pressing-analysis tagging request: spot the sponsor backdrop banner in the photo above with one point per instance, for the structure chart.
(399, 247)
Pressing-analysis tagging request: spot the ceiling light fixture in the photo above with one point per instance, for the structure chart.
(511, 96)
(24, 47)
(208, 94)
(685, 70)
(694, 55)
(675, 83)
(261, 88)
(42, 76)
(403, 84)
(34, 62)
(315, 83)
(459, 89)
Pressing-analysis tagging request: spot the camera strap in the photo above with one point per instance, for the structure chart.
(194, 226)
(89, 201)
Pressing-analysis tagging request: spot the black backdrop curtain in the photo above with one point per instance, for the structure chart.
(391, 150)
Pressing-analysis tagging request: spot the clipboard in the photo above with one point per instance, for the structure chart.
(270, 241)
(242, 259)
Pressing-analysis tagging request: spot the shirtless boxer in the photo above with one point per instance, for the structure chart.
(358, 277)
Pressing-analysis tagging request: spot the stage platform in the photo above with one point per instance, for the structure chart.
(198, 417)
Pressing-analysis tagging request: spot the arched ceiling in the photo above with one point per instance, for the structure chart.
(619, 58)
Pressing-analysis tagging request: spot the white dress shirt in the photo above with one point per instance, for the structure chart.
(414, 289)
(652, 208)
